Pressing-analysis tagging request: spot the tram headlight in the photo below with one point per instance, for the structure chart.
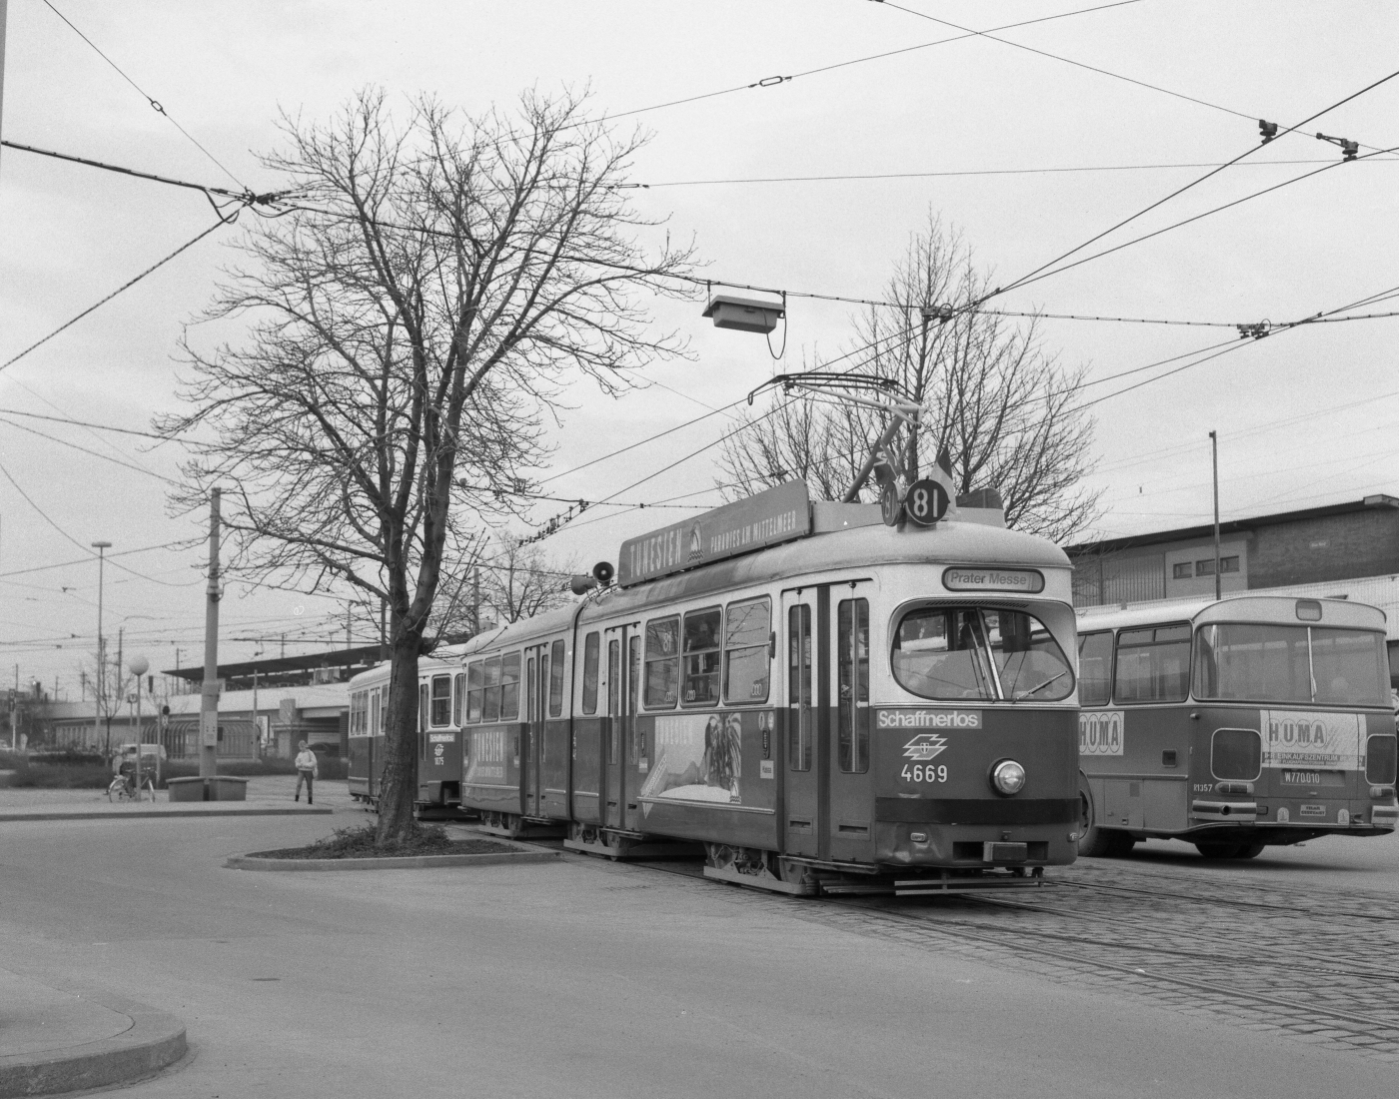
(1008, 777)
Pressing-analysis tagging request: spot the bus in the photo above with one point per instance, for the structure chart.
(1234, 724)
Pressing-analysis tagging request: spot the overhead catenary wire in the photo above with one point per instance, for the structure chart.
(154, 103)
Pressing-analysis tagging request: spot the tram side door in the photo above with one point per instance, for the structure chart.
(806, 756)
(623, 648)
(845, 666)
(532, 746)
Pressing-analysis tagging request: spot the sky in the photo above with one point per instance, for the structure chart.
(1029, 144)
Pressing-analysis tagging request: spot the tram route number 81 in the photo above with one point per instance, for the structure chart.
(926, 501)
(918, 772)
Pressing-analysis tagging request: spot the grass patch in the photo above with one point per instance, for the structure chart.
(361, 843)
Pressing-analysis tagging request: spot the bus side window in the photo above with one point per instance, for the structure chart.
(1095, 669)
(1153, 664)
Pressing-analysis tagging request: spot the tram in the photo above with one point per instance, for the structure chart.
(441, 687)
(1234, 724)
(824, 702)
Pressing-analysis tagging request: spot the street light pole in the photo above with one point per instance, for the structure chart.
(1214, 460)
(138, 666)
(101, 548)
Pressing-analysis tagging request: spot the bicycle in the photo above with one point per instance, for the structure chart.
(123, 788)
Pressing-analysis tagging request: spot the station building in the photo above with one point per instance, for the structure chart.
(1340, 551)
(265, 708)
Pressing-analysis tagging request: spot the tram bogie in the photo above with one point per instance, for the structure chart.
(822, 701)
(1235, 724)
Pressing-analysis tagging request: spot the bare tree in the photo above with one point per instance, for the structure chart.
(1011, 417)
(409, 321)
(520, 581)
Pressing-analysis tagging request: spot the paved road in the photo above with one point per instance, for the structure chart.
(575, 979)
(1340, 862)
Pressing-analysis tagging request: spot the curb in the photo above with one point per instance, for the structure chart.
(154, 1041)
(151, 814)
(522, 853)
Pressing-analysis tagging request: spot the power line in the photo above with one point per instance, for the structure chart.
(952, 173)
(92, 453)
(156, 106)
(1044, 270)
(84, 423)
(775, 81)
(125, 286)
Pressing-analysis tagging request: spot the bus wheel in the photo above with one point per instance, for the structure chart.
(1121, 844)
(1250, 851)
(1093, 842)
(1224, 850)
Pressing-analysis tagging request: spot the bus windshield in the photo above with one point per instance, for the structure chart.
(1274, 663)
(979, 653)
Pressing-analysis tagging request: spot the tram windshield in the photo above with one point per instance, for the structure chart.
(979, 653)
(1275, 663)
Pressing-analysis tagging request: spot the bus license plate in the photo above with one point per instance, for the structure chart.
(1313, 778)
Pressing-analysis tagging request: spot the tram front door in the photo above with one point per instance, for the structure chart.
(623, 645)
(806, 809)
(827, 781)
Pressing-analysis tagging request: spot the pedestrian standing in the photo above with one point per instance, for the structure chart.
(307, 770)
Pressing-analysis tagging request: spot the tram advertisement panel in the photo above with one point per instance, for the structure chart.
(699, 757)
(1305, 738)
(486, 762)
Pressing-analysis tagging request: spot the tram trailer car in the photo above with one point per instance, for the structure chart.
(823, 702)
(1235, 724)
(441, 692)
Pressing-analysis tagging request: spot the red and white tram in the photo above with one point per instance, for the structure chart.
(821, 700)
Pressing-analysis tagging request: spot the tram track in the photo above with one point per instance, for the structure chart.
(1326, 965)
(1340, 977)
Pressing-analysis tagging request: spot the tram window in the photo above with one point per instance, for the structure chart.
(590, 658)
(374, 713)
(746, 662)
(1095, 669)
(441, 700)
(662, 662)
(801, 720)
(701, 657)
(510, 687)
(458, 696)
(475, 690)
(633, 672)
(556, 676)
(491, 707)
(941, 653)
(422, 707)
(1029, 662)
(853, 669)
(1153, 664)
(614, 678)
(531, 688)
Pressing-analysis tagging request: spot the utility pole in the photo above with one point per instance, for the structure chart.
(1214, 456)
(102, 548)
(209, 692)
(4, 8)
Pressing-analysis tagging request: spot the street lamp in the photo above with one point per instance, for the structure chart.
(138, 666)
(101, 548)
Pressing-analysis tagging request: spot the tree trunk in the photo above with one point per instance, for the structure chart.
(400, 780)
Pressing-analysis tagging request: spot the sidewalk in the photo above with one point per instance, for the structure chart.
(53, 1041)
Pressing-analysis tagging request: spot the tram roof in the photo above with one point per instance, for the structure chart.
(1239, 607)
(863, 543)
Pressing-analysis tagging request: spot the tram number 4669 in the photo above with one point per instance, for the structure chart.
(918, 772)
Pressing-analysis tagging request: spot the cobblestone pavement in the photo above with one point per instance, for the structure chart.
(1291, 958)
